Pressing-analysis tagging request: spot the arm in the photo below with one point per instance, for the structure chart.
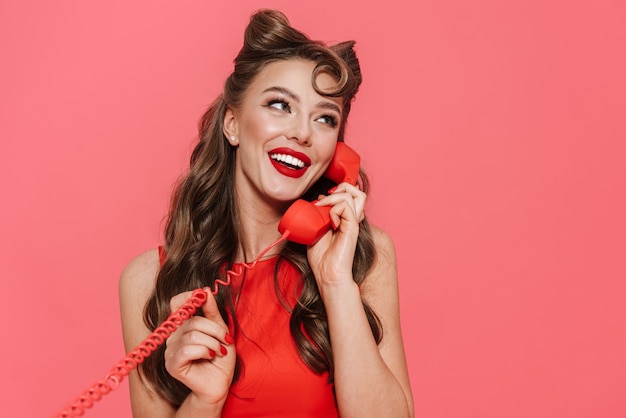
(136, 284)
(370, 380)
(357, 358)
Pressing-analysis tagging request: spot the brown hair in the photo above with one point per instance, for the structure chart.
(202, 232)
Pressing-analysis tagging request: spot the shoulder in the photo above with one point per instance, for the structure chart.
(385, 260)
(383, 243)
(140, 273)
(383, 273)
(135, 287)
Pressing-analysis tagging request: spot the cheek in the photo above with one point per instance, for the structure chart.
(327, 149)
(260, 126)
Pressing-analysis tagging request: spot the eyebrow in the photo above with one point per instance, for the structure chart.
(293, 96)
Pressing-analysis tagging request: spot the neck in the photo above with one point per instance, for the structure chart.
(258, 230)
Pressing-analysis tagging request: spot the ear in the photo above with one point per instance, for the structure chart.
(231, 128)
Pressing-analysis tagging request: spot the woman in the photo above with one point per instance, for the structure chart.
(310, 330)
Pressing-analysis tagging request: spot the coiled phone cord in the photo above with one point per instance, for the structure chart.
(123, 368)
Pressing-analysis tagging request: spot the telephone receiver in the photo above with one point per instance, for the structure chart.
(306, 222)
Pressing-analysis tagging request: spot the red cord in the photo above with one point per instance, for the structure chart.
(123, 368)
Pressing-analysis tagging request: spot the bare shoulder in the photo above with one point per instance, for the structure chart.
(135, 286)
(140, 273)
(384, 245)
(384, 269)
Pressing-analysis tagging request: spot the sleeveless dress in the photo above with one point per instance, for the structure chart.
(274, 381)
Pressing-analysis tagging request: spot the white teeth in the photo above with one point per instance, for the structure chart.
(288, 159)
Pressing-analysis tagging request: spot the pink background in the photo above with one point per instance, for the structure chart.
(493, 133)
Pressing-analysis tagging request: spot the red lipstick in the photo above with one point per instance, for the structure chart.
(289, 162)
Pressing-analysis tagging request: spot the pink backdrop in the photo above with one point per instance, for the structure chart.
(493, 132)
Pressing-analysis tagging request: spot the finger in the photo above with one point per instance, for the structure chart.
(342, 207)
(188, 353)
(214, 324)
(207, 332)
(180, 359)
(346, 190)
(338, 198)
(346, 187)
(209, 308)
(358, 196)
(343, 215)
(211, 311)
(202, 332)
(178, 300)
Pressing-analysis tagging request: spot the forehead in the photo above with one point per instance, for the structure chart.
(296, 75)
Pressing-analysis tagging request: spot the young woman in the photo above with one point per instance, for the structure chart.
(311, 330)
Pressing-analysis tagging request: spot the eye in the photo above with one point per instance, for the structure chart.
(328, 119)
(279, 104)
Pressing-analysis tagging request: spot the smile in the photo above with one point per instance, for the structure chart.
(289, 162)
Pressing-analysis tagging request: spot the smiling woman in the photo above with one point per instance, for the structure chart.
(282, 115)
(292, 335)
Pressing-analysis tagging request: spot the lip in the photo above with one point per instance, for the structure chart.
(287, 171)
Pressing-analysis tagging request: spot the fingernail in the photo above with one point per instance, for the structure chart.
(211, 353)
(332, 190)
(223, 350)
(228, 339)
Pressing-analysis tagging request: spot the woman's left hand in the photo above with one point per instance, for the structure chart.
(332, 256)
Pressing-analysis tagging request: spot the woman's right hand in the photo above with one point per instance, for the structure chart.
(201, 353)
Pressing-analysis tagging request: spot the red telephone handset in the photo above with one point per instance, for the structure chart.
(306, 222)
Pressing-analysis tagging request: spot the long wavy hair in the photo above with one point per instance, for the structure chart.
(202, 233)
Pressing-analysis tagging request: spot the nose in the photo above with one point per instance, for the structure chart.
(300, 130)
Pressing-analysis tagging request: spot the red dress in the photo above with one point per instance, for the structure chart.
(274, 381)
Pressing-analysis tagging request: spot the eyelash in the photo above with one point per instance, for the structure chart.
(332, 120)
(273, 102)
